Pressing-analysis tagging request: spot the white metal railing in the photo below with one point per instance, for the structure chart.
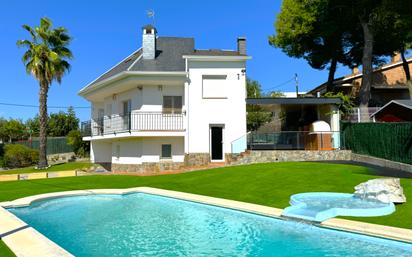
(135, 121)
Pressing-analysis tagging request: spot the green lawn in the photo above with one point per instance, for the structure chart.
(266, 184)
(4, 251)
(56, 167)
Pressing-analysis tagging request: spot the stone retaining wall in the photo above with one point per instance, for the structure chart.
(197, 159)
(382, 162)
(286, 156)
(147, 168)
(60, 157)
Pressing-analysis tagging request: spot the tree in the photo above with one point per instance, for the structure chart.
(33, 126)
(377, 21)
(61, 123)
(80, 147)
(314, 30)
(13, 129)
(3, 135)
(256, 115)
(46, 58)
(275, 94)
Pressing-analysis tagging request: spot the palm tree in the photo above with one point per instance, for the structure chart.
(46, 59)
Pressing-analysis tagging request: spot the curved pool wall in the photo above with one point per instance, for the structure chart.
(308, 206)
(140, 224)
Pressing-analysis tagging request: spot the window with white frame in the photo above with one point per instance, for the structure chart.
(172, 104)
(214, 86)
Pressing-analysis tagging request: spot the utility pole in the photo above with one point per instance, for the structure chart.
(297, 85)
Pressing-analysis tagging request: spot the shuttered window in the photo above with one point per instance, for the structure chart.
(172, 104)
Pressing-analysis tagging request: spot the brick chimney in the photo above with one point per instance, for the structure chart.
(355, 70)
(396, 57)
(149, 42)
(241, 45)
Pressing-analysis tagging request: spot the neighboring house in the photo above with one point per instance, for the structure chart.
(388, 83)
(394, 111)
(167, 105)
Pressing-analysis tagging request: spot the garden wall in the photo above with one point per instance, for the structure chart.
(391, 141)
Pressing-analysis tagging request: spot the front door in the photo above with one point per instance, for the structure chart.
(216, 143)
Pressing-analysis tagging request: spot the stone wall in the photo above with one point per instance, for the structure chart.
(197, 159)
(285, 156)
(60, 157)
(382, 162)
(106, 165)
(151, 168)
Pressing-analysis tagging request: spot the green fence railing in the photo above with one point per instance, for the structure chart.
(55, 145)
(391, 141)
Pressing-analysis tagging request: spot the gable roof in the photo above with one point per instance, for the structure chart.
(169, 58)
(404, 103)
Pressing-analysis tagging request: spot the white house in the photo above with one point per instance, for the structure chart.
(167, 105)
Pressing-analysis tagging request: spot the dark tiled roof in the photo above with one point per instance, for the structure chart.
(169, 52)
(122, 66)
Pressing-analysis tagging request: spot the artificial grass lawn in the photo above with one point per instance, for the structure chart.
(266, 184)
(4, 251)
(55, 167)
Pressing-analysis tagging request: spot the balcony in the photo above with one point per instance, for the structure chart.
(133, 122)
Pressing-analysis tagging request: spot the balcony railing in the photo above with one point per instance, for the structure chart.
(138, 121)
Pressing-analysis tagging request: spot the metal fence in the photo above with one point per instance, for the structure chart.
(55, 145)
(141, 121)
(391, 141)
(294, 140)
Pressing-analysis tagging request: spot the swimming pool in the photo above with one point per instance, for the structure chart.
(320, 206)
(140, 224)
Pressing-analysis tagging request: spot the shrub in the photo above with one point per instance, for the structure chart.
(17, 156)
(80, 147)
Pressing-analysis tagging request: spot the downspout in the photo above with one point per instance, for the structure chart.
(187, 103)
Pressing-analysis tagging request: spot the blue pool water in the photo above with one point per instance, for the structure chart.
(147, 225)
(320, 206)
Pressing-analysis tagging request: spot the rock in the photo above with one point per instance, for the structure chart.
(382, 189)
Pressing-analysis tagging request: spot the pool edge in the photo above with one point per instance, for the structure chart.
(15, 229)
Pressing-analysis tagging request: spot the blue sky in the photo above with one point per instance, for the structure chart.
(105, 32)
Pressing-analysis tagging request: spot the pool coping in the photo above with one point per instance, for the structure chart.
(25, 241)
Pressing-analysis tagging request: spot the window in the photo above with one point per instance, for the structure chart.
(172, 104)
(127, 107)
(166, 151)
(214, 86)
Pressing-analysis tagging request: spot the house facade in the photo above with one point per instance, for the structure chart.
(167, 105)
(388, 83)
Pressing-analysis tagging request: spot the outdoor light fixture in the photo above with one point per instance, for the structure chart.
(160, 87)
(243, 73)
